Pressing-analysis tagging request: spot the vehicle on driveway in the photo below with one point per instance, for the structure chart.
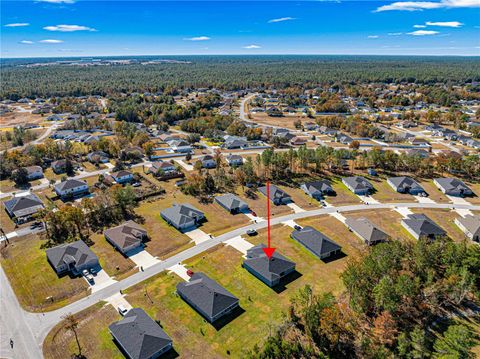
(251, 232)
(88, 276)
(297, 227)
(122, 310)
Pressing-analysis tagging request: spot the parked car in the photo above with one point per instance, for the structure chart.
(251, 232)
(88, 275)
(297, 227)
(122, 310)
(190, 272)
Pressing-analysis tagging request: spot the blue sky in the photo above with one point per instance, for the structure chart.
(54, 28)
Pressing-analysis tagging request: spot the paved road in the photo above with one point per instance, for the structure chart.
(30, 329)
(39, 139)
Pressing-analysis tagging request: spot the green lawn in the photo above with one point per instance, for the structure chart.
(34, 280)
(95, 339)
(343, 195)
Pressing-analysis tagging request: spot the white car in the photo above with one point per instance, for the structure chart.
(122, 310)
(88, 275)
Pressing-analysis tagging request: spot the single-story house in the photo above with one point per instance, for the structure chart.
(234, 142)
(98, 157)
(126, 236)
(453, 187)
(270, 271)
(207, 297)
(71, 258)
(366, 230)
(122, 176)
(405, 185)
(231, 203)
(298, 141)
(316, 242)
(277, 196)
(165, 167)
(470, 225)
(139, 336)
(234, 160)
(182, 216)
(71, 188)
(358, 185)
(345, 139)
(317, 189)
(59, 166)
(33, 172)
(21, 208)
(419, 225)
(416, 152)
(180, 146)
(208, 161)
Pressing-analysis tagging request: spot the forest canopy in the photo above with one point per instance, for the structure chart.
(227, 72)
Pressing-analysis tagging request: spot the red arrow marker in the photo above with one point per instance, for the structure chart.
(269, 250)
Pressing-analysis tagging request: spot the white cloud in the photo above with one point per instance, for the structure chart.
(198, 38)
(26, 42)
(17, 24)
(423, 33)
(427, 5)
(419, 26)
(281, 19)
(68, 28)
(252, 47)
(395, 33)
(373, 36)
(51, 41)
(444, 23)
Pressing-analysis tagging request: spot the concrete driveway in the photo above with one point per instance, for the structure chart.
(102, 280)
(118, 299)
(142, 258)
(239, 244)
(180, 270)
(296, 208)
(197, 235)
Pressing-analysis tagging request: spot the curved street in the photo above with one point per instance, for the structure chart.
(29, 330)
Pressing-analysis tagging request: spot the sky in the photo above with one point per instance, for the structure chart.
(63, 28)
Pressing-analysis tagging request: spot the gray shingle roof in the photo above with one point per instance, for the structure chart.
(366, 229)
(453, 185)
(207, 295)
(23, 205)
(315, 241)
(231, 201)
(126, 234)
(404, 183)
(322, 186)
(275, 192)
(471, 223)
(357, 183)
(139, 335)
(423, 226)
(181, 214)
(75, 252)
(69, 184)
(269, 269)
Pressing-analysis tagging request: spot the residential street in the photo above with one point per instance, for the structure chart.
(28, 330)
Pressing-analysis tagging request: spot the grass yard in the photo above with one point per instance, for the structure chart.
(476, 190)
(300, 198)
(343, 195)
(95, 339)
(433, 192)
(112, 261)
(164, 239)
(7, 185)
(445, 219)
(34, 280)
(387, 220)
(259, 205)
(385, 193)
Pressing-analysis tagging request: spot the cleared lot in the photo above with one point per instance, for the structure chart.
(445, 219)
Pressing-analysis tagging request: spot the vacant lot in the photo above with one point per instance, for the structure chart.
(259, 205)
(287, 121)
(445, 219)
(387, 220)
(34, 280)
(476, 190)
(93, 335)
(300, 198)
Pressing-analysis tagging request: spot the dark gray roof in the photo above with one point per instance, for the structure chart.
(270, 269)
(322, 186)
(181, 213)
(452, 184)
(423, 226)
(230, 201)
(357, 183)
(275, 192)
(121, 173)
(126, 234)
(139, 335)
(75, 252)
(405, 182)
(206, 294)
(471, 223)
(315, 241)
(366, 229)
(23, 205)
(69, 184)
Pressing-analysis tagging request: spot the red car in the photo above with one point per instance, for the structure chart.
(189, 272)
(254, 214)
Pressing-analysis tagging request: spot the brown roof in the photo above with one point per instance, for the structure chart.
(126, 234)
